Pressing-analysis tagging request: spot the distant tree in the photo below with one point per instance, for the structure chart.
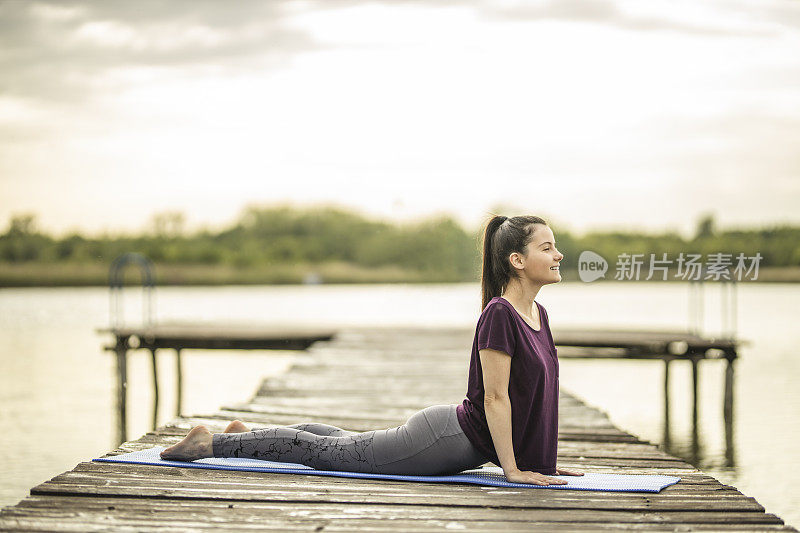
(706, 227)
(22, 225)
(22, 241)
(168, 224)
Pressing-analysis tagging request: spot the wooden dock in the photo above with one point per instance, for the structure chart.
(370, 379)
(179, 336)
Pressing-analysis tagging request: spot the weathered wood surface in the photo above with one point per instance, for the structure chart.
(637, 338)
(221, 336)
(370, 379)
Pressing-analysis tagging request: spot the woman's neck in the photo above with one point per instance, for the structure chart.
(522, 296)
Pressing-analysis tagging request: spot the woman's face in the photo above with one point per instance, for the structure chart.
(541, 263)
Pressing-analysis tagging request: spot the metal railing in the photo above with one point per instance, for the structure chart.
(116, 279)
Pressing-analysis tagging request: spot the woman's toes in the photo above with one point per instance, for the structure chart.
(196, 445)
(236, 427)
(165, 453)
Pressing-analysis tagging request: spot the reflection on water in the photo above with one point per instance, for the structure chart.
(695, 454)
(56, 383)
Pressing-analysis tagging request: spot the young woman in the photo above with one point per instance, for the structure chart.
(510, 414)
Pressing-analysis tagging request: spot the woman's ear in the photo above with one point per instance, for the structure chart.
(516, 260)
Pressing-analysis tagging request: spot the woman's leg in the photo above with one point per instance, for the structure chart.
(198, 443)
(430, 442)
(324, 430)
(291, 445)
(316, 428)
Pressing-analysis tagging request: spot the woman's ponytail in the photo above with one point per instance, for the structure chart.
(502, 236)
(489, 279)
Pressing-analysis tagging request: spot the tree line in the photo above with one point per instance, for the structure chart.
(437, 248)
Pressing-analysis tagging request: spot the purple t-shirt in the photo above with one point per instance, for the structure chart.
(532, 387)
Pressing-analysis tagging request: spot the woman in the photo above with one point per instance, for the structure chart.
(513, 383)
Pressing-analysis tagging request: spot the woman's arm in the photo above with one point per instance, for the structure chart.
(496, 367)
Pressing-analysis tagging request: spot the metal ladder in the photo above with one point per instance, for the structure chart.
(728, 307)
(116, 280)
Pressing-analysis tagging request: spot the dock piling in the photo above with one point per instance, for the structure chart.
(121, 349)
(155, 387)
(666, 436)
(178, 382)
(727, 413)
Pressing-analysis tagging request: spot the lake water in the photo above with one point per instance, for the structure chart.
(57, 384)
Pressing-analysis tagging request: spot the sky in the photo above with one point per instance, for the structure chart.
(595, 114)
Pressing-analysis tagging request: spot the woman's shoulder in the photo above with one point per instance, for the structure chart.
(542, 309)
(497, 310)
(497, 304)
(544, 319)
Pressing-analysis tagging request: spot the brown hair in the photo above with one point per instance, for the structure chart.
(502, 237)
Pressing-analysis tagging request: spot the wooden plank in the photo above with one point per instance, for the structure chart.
(214, 330)
(553, 509)
(209, 520)
(432, 511)
(216, 337)
(437, 510)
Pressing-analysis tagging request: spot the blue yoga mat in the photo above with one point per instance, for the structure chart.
(487, 475)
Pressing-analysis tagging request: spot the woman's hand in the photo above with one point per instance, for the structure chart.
(532, 478)
(565, 472)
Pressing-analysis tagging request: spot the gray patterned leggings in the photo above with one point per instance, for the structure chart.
(431, 442)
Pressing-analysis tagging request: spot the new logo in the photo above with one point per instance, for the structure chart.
(591, 266)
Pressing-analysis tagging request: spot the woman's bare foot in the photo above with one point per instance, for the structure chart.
(236, 427)
(196, 445)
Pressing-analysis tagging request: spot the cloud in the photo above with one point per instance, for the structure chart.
(715, 19)
(64, 51)
(60, 50)
(747, 146)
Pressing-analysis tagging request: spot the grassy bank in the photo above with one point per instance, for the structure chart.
(35, 274)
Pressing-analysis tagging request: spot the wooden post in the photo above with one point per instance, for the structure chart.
(695, 400)
(727, 412)
(155, 387)
(121, 350)
(666, 439)
(694, 389)
(179, 381)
